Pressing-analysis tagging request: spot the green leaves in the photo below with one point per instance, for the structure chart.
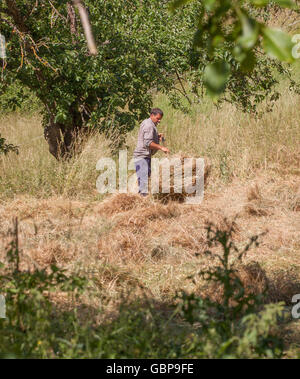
(178, 3)
(278, 44)
(144, 47)
(233, 27)
(215, 77)
(285, 3)
(5, 147)
(281, 3)
(259, 3)
(250, 33)
(209, 4)
(140, 50)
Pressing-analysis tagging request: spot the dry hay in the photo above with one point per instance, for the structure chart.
(51, 253)
(296, 205)
(43, 256)
(188, 232)
(122, 246)
(111, 276)
(32, 208)
(142, 216)
(133, 236)
(178, 192)
(257, 205)
(252, 276)
(191, 239)
(276, 286)
(284, 284)
(121, 202)
(295, 202)
(143, 232)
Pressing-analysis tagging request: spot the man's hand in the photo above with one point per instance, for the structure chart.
(155, 146)
(161, 137)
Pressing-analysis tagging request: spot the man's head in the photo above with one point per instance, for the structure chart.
(156, 115)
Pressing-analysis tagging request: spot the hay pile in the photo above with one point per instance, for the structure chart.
(49, 253)
(295, 202)
(252, 275)
(258, 205)
(186, 171)
(121, 202)
(151, 212)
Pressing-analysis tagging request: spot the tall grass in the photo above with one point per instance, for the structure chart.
(237, 145)
(36, 172)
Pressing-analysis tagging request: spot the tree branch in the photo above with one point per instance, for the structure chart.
(86, 26)
(57, 12)
(183, 89)
(13, 11)
(72, 17)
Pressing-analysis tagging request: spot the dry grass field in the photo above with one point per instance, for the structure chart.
(124, 242)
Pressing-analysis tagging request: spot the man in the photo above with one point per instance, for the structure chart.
(147, 145)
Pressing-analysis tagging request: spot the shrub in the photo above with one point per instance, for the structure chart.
(238, 326)
(5, 147)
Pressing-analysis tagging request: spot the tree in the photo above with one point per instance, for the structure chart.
(240, 27)
(142, 47)
(47, 52)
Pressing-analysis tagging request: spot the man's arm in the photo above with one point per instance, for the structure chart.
(155, 146)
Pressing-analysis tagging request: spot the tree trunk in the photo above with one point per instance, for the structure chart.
(61, 139)
(65, 139)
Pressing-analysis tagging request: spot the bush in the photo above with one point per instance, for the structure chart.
(5, 147)
(17, 97)
(238, 326)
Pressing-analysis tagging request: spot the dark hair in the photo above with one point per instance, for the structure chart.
(156, 111)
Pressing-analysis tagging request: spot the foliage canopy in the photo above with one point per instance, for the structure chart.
(241, 26)
(142, 48)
